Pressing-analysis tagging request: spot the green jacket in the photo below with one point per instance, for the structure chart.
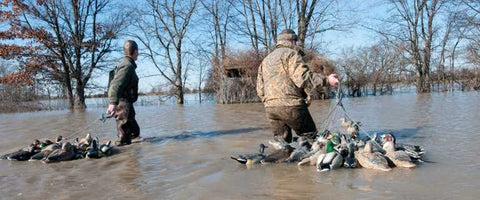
(284, 78)
(125, 82)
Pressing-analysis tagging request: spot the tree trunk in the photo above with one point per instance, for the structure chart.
(199, 95)
(67, 86)
(80, 98)
(423, 85)
(180, 94)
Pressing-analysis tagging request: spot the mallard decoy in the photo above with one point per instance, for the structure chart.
(106, 148)
(24, 153)
(278, 156)
(298, 154)
(85, 142)
(398, 157)
(350, 161)
(329, 161)
(46, 151)
(375, 144)
(414, 151)
(277, 143)
(350, 127)
(354, 130)
(67, 152)
(302, 149)
(312, 160)
(371, 160)
(59, 139)
(45, 143)
(250, 159)
(93, 151)
(344, 124)
(316, 150)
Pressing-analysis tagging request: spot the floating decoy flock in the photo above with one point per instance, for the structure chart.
(333, 150)
(61, 150)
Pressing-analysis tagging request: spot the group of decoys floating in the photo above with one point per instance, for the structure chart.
(61, 150)
(331, 151)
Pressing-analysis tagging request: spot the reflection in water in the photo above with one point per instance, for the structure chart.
(186, 155)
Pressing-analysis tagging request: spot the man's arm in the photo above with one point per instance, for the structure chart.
(260, 86)
(301, 75)
(119, 82)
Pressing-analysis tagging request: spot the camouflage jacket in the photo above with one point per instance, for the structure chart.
(125, 82)
(284, 78)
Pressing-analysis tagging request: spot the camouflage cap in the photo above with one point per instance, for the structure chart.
(287, 34)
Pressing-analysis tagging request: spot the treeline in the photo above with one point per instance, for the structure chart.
(431, 44)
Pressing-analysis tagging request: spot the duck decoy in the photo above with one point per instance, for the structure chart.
(24, 153)
(250, 159)
(398, 157)
(106, 149)
(47, 150)
(350, 161)
(414, 151)
(93, 151)
(329, 161)
(67, 152)
(278, 156)
(85, 142)
(371, 160)
(344, 124)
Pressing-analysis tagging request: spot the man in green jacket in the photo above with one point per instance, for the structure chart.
(282, 82)
(122, 93)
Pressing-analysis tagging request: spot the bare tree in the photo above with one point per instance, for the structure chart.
(304, 13)
(262, 19)
(162, 29)
(220, 13)
(414, 22)
(69, 40)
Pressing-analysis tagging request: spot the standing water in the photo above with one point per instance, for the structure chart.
(189, 157)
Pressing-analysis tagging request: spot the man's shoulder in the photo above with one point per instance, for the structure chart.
(285, 50)
(282, 52)
(125, 62)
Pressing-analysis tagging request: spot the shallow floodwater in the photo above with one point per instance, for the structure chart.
(189, 155)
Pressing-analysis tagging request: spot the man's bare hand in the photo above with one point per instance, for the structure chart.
(333, 80)
(111, 109)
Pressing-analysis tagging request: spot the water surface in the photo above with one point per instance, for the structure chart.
(189, 157)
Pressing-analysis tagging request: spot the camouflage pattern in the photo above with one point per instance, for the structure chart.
(125, 82)
(284, 78)
(284, 119)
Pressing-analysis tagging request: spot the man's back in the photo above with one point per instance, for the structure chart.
(275, 84)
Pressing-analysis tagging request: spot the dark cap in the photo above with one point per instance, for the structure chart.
(287, 34)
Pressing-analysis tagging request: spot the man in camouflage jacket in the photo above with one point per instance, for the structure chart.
(122, 93)
(282, 83)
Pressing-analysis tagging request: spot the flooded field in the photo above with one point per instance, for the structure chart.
(189, 157)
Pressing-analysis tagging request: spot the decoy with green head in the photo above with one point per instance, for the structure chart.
(47, 150)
